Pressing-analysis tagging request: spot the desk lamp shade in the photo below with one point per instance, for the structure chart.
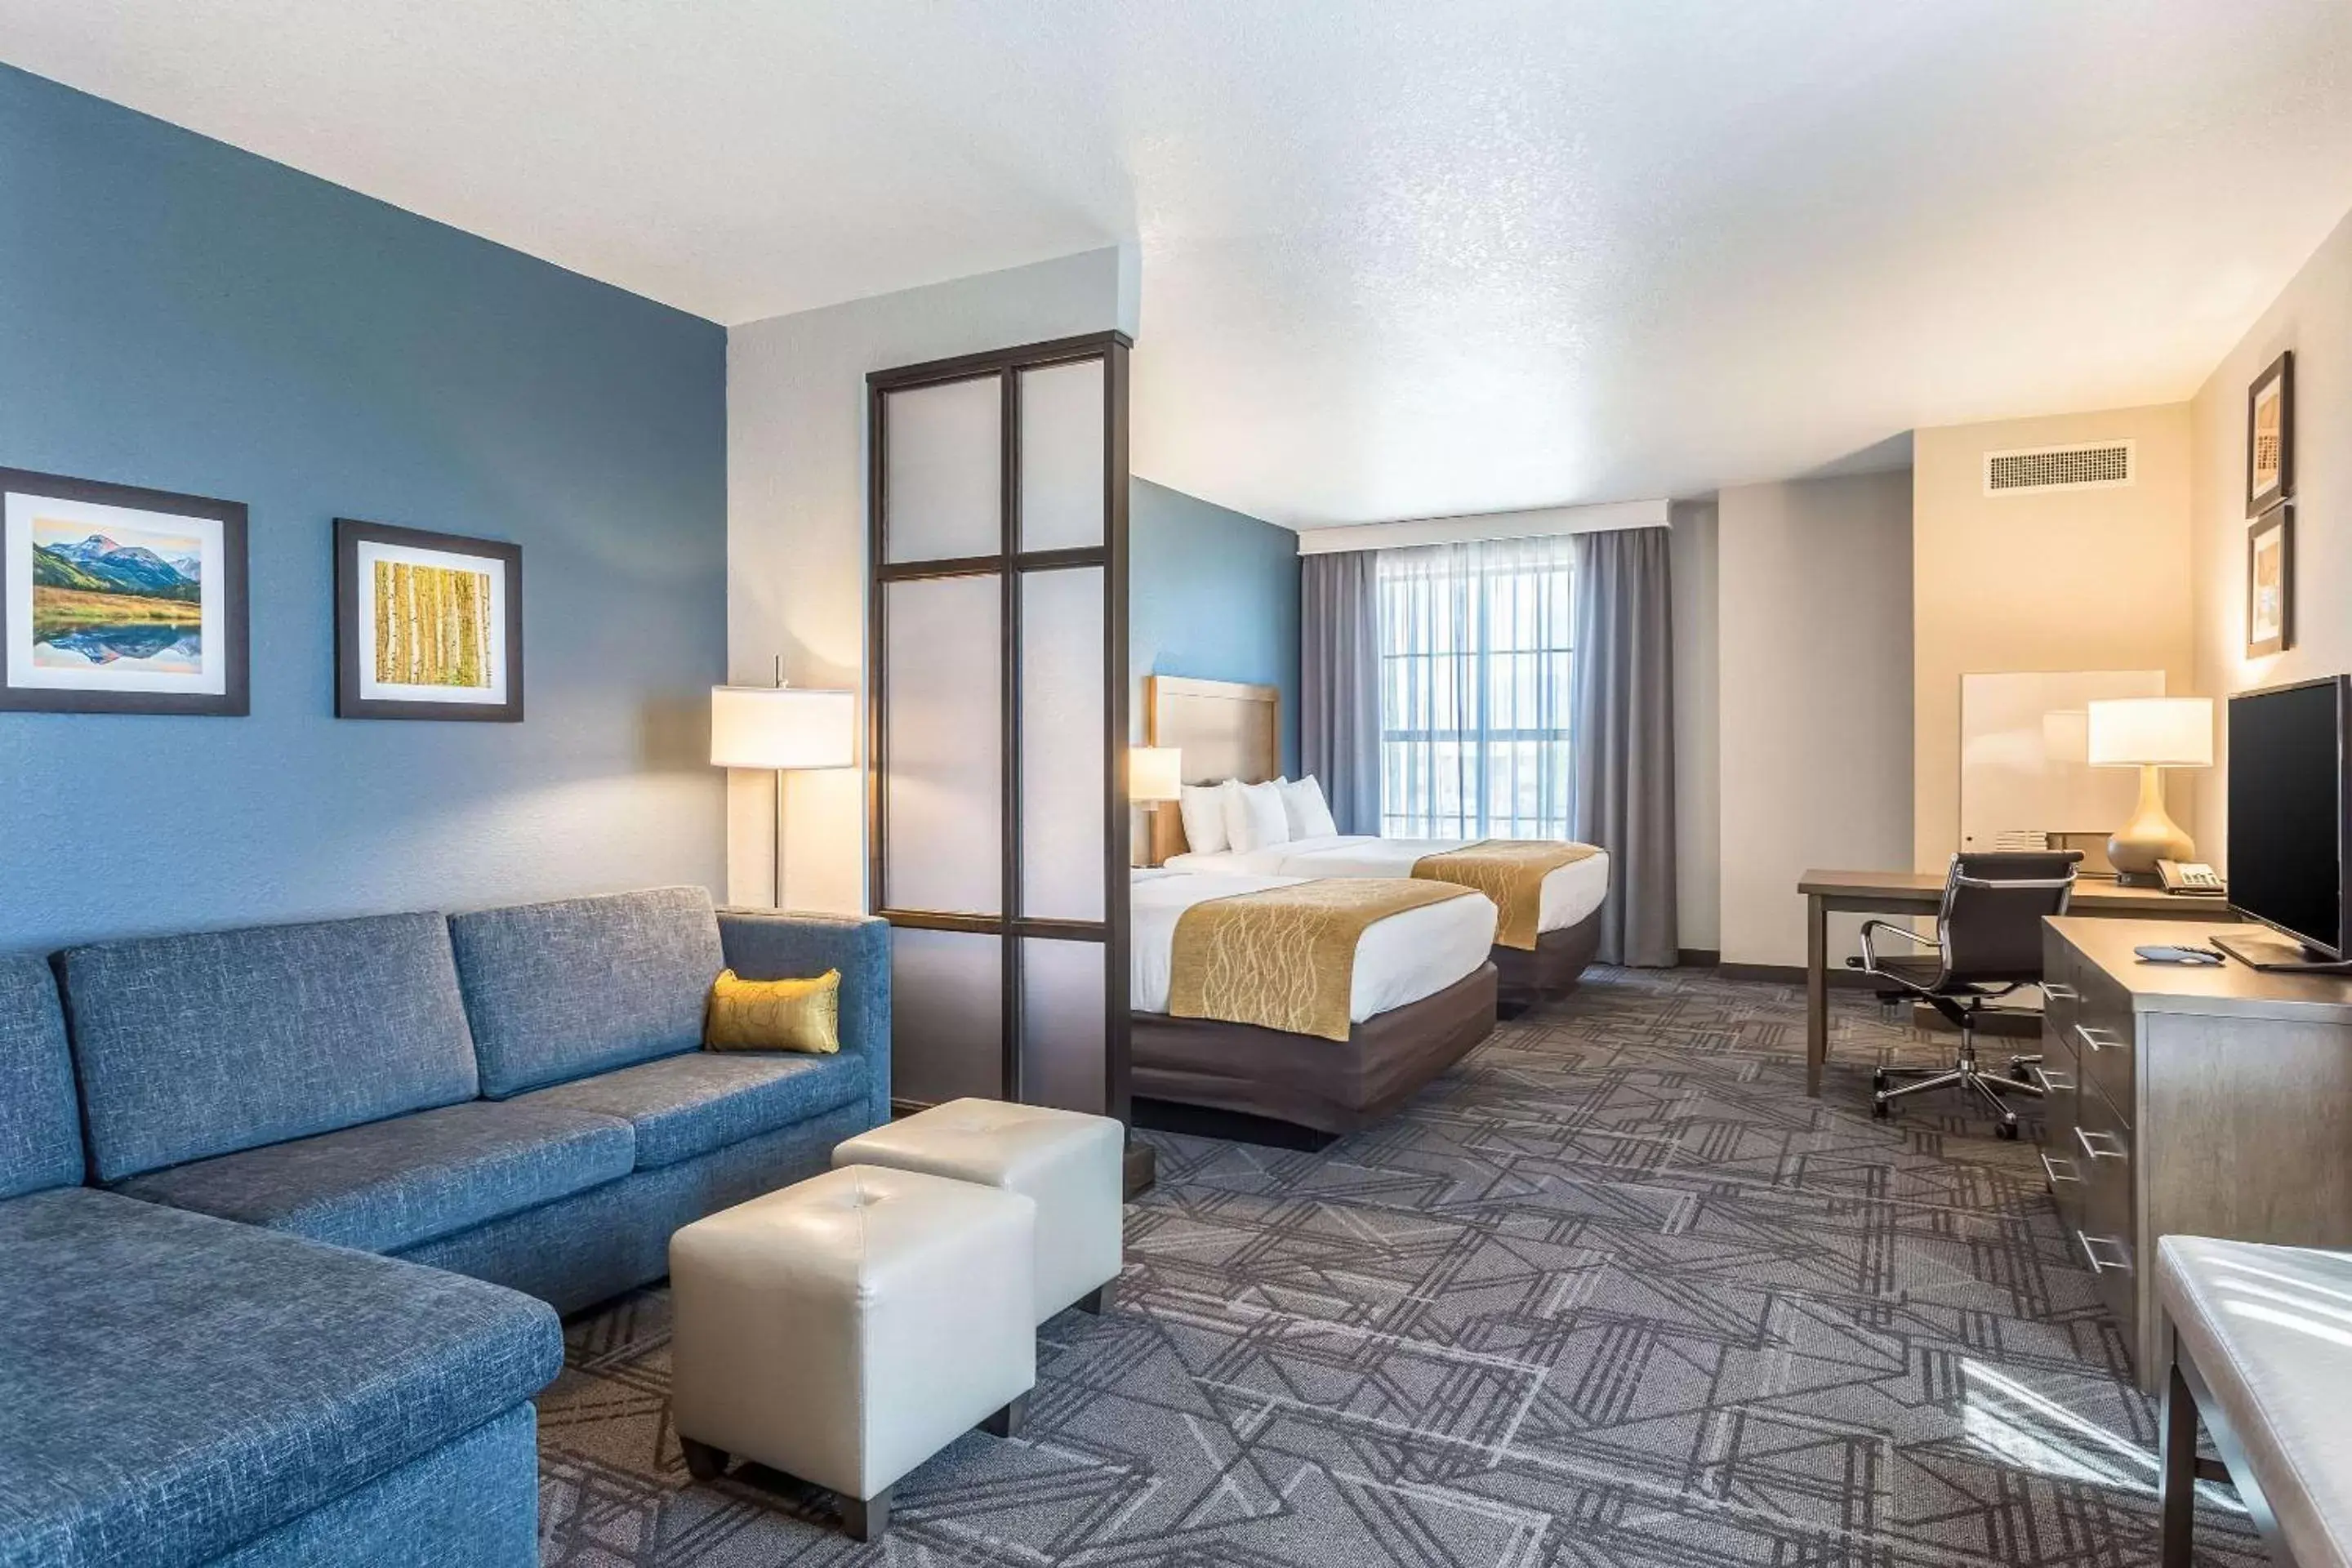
(1154, 774)
(781, 727)
(2150, 733)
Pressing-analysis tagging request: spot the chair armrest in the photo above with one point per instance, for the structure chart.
(1870, 951)
(762, 944)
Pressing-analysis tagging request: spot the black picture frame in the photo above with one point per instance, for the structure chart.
(2279, 520)
(352, 532)
(2261, 497)
(235, 699)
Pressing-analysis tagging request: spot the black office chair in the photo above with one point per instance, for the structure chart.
(1988, 943)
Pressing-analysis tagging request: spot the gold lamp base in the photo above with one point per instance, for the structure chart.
(2150, 835)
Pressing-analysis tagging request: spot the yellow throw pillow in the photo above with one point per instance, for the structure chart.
(774, 1014)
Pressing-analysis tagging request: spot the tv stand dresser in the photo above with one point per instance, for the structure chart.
(2195, 1100)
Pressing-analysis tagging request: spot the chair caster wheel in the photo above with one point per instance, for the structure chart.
(2005, 1129)
(1879, 1111)
(1878, 1081)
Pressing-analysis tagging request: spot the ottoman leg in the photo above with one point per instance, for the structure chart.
(1095, 1301)
(1008, 1422)
(863, 1519)
(703, 1462)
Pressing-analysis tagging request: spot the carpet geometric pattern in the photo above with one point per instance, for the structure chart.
(1612, 1294)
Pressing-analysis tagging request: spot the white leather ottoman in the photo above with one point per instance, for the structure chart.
(846, 1328)
(1069, 1162)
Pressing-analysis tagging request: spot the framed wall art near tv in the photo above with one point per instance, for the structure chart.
(2270, 436)
(427, 626)
(115, 599)
(2270, 581)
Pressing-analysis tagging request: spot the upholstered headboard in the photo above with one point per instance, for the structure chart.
(1225, 729)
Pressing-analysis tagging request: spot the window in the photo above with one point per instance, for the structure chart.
(1477, 646)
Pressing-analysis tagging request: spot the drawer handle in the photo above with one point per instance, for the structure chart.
(2097, 1039)
(2041, 1075)
(2059, 991)
(2049, 1169)
(2120, 1262)
(2115, 1151)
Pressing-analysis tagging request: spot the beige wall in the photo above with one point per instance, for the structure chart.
(2313, 318)
(1699, 799)
(2091, 579)
(796, 518)
(1814, 691)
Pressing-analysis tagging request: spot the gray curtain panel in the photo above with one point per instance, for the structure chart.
(1339, 683)
(1622, 724)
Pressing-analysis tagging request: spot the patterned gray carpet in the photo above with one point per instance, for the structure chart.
(1611, 1294)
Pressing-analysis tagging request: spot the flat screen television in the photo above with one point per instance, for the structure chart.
(2290, 821)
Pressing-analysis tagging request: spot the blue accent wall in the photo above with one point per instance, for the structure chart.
(1212, 594)
(179, 314)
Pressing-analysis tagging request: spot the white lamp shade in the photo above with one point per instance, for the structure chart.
(2166, 732)
(781, 727)
(1155, 773)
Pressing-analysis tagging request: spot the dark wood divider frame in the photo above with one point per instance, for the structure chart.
(1011, 564)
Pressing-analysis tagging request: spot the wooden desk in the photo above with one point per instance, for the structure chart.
(1922, 893)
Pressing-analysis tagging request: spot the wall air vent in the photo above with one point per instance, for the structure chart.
(2105, 466)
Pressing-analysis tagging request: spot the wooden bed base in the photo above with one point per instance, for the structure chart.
(1553, 969)
(1329, 1086)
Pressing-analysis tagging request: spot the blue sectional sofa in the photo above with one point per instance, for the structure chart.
(226, 1349)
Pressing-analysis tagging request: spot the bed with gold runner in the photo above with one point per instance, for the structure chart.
(1511, 872)
(1322, 1005)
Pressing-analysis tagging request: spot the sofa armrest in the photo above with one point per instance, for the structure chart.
(762, 944)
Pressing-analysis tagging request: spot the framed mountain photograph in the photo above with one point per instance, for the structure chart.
(119, 600)
(427, 626)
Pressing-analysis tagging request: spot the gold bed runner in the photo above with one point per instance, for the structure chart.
(1285, 958)
(1511, 872)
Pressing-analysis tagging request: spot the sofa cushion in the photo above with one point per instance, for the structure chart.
(760, 944)
(560, 991)
(687, 1105)
(178, 1384)
(193, 1046)
(390, 1185)
(41, 1127)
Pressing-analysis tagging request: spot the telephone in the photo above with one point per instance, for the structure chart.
(2193, 876)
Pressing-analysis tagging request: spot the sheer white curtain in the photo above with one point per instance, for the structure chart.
(1477, 646)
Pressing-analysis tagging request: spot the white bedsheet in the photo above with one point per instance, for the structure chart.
(1570, 894)
(1401, 959)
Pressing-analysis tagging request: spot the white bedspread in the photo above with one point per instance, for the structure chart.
(1401, 959)
(1570, 894)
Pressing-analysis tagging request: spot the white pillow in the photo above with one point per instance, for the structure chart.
(1253, 816)
(1303, 805)
(1203, 809)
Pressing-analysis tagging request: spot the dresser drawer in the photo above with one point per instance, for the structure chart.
(2100, 1145)
(2060, 991)
(2102, 1034)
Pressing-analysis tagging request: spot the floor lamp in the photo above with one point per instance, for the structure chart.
(782, 729)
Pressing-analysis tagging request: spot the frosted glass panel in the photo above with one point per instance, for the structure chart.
(1061, 744)
(943, 464)
(945, 743)
(1062, 457)
(1064, 1041)
(947, 1015)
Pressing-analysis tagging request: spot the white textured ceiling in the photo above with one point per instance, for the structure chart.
(1400, 259)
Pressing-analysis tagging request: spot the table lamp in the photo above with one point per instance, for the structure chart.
(1155, 775)
(2150, 733)
(782, 729)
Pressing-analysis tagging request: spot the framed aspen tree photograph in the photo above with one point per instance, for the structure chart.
(427, 626)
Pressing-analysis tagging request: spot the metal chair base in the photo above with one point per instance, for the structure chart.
(1963, 1073)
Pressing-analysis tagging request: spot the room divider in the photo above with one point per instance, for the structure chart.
(997, 818)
